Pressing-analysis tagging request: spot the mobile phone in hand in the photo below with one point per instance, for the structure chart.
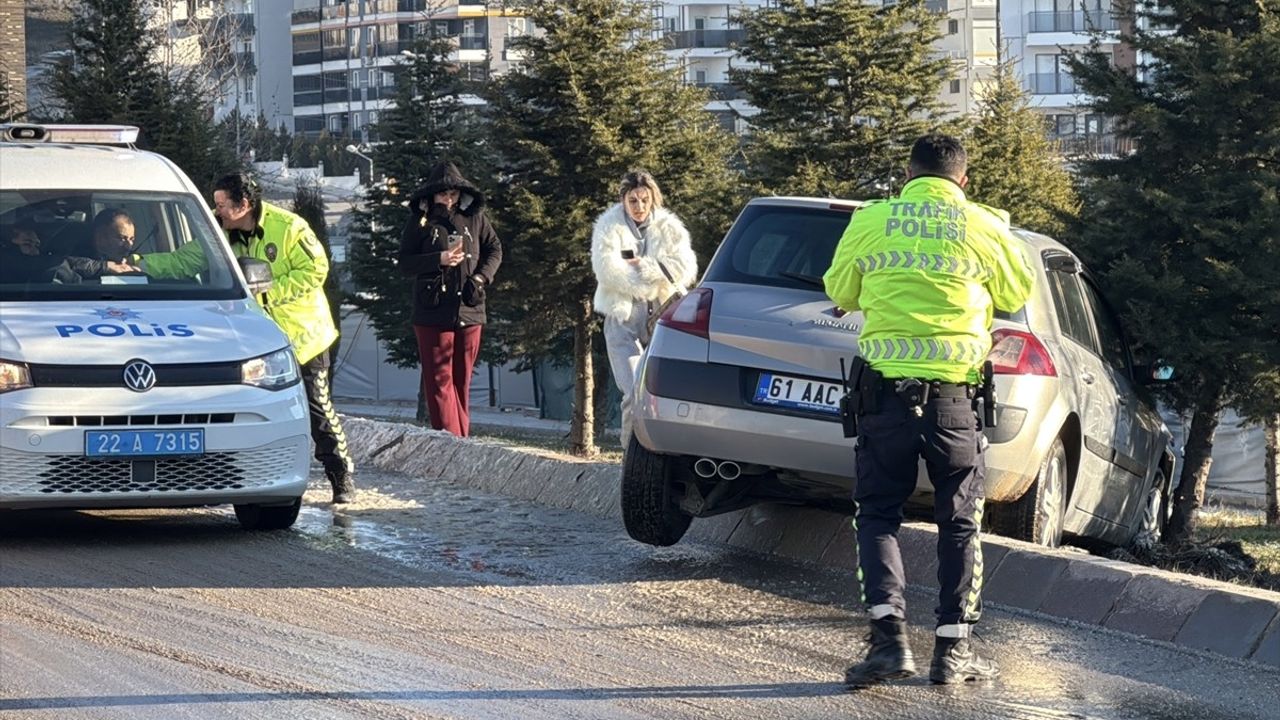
(628, 254)
(455, 241)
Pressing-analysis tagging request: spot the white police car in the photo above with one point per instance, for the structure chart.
(118, 390)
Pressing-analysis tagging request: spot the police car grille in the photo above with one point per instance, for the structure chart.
(79, 476)
(98, 420)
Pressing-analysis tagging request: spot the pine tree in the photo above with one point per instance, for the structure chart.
(426, 124)
(844, 88)
(1187, 228)
(113, 76)
(593, 99)
(1012, 164)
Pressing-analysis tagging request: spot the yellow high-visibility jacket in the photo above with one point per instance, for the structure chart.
(299, 267)
(928, 269)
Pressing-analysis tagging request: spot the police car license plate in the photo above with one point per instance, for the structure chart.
(144, 443)
(798, 393)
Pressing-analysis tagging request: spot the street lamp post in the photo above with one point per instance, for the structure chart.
(356, 151)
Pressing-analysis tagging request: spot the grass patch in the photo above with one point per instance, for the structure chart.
(609, 451)
(1230, 544)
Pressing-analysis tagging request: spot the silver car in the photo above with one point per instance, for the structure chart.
(737, 396)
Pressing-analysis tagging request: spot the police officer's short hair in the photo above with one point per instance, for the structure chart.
(640, 179)
(939, 154)
(240, 186)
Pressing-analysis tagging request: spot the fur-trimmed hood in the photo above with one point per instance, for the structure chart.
(447, 176)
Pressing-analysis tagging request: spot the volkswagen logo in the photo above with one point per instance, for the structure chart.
(139, 376)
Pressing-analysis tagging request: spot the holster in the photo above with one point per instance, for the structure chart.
(861, 395)
(988, 393)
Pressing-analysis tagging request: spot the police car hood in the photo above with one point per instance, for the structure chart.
(78, 333)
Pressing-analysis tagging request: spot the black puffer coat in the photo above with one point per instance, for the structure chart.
(449, 297)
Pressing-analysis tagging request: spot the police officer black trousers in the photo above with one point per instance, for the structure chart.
(946, 433)
(326, 429)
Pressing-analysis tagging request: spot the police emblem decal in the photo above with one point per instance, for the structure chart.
(271, 252)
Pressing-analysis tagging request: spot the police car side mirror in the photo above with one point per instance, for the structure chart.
(257, 274)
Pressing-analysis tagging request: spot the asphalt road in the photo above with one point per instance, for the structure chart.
(425, 600)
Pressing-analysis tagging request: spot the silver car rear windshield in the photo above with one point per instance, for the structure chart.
(66, 259)
(785, 246)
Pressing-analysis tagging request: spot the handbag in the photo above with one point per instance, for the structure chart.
(656, 311)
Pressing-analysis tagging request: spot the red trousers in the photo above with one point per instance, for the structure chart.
(448, 355)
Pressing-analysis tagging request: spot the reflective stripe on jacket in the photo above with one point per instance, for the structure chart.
(299, 267)
(928, 269)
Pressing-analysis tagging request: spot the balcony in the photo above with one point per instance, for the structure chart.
(1071, 22)
(234, 24)
(1059, 83)
(722, 90)
(685, 39)
(1082, 146)
(473, 42)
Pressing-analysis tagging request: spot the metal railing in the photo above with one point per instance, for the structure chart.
(683, 39)
(1093, 145)
(722, 90)
(1058, 83)
(1079, 21)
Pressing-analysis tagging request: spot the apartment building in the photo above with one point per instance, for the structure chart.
(700, 35)
(1040, 34)
(343, 53)
(13, 52)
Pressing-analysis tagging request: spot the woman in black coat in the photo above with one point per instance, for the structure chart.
(452, 253)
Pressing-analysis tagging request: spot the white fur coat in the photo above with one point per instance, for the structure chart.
(619, 283)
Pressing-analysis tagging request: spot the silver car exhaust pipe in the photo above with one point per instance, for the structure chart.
(728, 470)
(705, 467)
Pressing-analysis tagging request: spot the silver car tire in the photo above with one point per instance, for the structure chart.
(649, 512)
(1038, 516)
(268, 517)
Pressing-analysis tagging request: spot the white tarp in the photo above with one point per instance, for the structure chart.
(362, 372)
(1238, 456)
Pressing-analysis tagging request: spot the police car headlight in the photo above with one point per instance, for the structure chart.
(273, 371)
(14, 376)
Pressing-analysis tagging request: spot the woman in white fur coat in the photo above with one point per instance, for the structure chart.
(641, 255)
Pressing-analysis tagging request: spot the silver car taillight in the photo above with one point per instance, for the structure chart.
(1018, 352)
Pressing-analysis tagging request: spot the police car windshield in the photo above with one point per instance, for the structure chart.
(81, 244)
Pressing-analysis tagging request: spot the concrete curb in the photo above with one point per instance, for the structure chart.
(1193, 612)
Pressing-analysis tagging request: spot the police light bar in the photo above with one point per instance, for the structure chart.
(71, 134)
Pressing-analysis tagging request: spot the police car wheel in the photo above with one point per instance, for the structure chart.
(649, 510)
(268, 517)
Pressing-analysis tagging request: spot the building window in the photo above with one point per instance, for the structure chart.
(953, 27)
(373, 116)
(335, 124)
(955, 87)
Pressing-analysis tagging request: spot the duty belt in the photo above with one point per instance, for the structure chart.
(916, 392)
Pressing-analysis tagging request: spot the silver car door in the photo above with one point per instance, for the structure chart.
(1132, 440)
(1092, 395)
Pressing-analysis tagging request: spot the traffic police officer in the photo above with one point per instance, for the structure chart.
(927, 270)
(296, 301)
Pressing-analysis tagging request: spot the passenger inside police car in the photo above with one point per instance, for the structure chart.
(24, 260)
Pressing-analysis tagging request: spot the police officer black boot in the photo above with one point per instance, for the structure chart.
(955, 661)
(344, 489)
(889, 657)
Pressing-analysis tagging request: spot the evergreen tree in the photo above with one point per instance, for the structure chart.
(10, 104)
(113, 76)
(426, 124)
(1012, 164)
(593, 99)
(1187, 228)
(844, 87)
